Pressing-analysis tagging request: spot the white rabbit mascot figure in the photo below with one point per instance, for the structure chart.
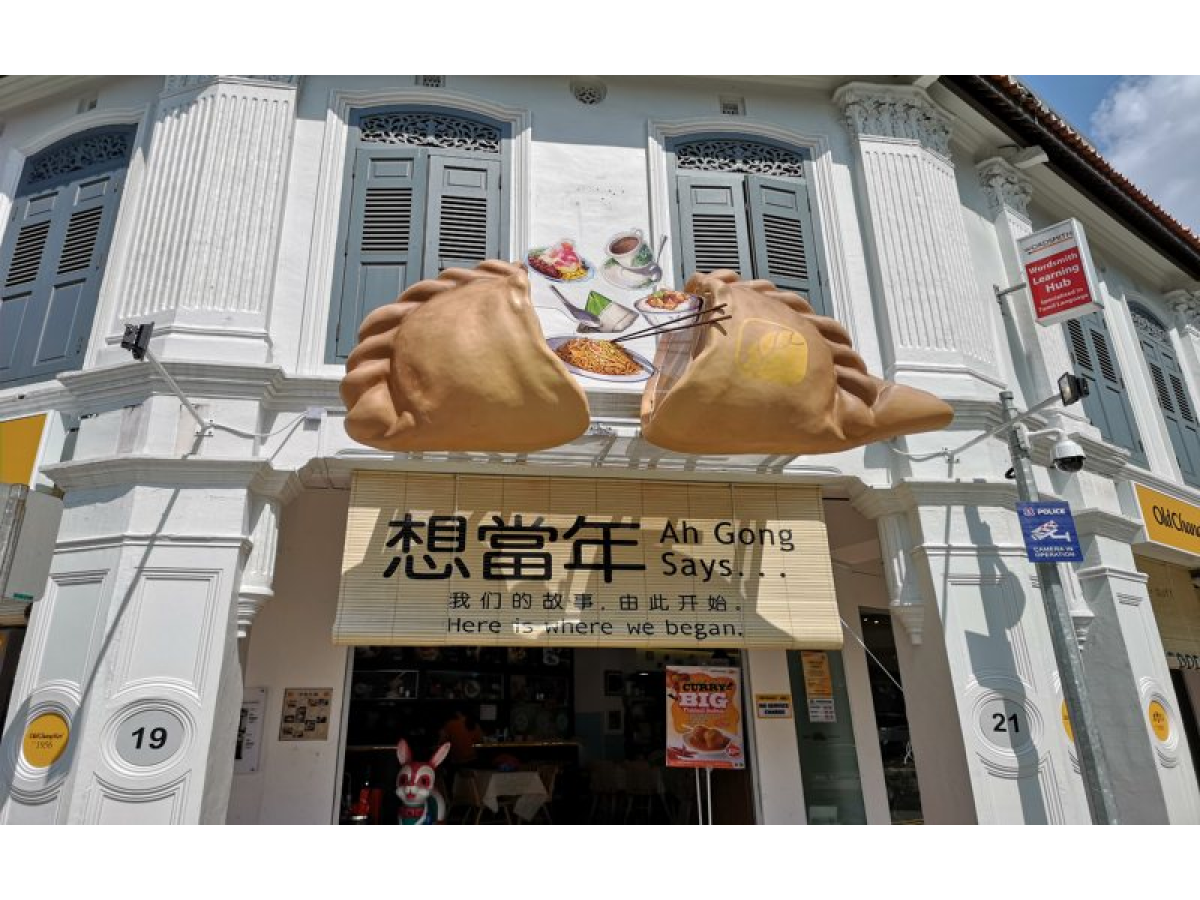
(420, 802)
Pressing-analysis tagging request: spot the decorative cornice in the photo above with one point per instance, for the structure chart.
(178, 83)
(1106, 524)
(909, 494)
(156, 471)
(1186, 306)
(1004, 186)
(894, 112)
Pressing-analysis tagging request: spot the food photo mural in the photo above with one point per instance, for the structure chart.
(498, 358)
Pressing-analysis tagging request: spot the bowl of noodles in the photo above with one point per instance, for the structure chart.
(595, 358)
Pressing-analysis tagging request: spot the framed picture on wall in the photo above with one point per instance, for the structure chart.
(614, 684)
(614, 722)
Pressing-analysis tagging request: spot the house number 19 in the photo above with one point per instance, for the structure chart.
(149, 737)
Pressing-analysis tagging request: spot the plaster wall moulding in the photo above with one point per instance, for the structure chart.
(176, 83)
(894, 112)
(1004, 186)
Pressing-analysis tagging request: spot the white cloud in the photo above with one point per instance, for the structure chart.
(1148, 128)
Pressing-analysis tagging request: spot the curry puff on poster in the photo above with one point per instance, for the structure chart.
(704, 719)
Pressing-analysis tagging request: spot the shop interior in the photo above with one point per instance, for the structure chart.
(538, 736)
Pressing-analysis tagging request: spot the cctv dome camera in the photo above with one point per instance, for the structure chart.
(1068, 456)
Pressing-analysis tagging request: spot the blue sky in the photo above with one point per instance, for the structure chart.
(1146, 126)
(1074, 97)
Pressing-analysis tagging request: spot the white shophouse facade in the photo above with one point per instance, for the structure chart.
(188, 566)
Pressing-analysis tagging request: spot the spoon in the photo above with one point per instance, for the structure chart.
(582, 315)
(652, 271)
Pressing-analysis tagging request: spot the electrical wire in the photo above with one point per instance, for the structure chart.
(850, 631)
(254, 434)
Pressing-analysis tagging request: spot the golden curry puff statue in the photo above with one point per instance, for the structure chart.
(776, 378)
(459, 363)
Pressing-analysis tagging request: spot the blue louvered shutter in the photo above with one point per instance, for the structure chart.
(1106, 405)
(53, 260)
(713, 225)
(1169, 389)
(781, 227)
(383, 237)
(463, 223)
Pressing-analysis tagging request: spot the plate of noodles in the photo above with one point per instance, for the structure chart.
(605, 360)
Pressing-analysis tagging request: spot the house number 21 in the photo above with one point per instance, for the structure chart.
(1004, 724)
(149, 737)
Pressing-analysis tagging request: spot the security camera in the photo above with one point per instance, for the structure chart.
(1068, 456)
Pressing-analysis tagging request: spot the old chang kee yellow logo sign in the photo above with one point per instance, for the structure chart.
(437, 559)
(45, 740)
(1169, 521)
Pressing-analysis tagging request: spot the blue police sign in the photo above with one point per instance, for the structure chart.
(1049, 532)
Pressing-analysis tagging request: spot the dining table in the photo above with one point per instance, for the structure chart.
(527, 787)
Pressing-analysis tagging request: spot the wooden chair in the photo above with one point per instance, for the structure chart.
(643, 788)
(472, 799)
(607, 784)
(549, 775)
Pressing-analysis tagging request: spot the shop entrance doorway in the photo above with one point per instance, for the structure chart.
(538, 735)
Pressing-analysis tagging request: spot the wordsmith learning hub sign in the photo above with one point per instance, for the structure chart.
(1058, 271)
(584, 562)
(1049, 532)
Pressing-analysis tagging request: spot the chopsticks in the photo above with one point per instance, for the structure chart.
(673, 324)
(626, 337)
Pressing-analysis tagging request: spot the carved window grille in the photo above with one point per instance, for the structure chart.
(589, 92)
(1149, 327)
(95, 152)
(421, 129)
(735, 155)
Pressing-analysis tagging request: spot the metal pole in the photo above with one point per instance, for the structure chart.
(12, 514)
(204, 424)
(1097, 784)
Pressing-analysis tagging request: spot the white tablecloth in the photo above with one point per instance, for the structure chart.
(527, 787)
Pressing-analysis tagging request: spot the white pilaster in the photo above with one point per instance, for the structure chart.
(259, 572)
(207, 229)
(936, 318)
(135, 645)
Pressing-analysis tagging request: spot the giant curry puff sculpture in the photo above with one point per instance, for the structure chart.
(459, 363)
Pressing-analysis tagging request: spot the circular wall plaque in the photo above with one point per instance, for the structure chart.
(1160, 721)
(45, 740)
(150, 737)
(1005, 723)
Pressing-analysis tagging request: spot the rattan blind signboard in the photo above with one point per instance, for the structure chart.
(582, 562)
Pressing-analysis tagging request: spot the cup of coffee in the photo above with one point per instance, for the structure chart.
(629, 249)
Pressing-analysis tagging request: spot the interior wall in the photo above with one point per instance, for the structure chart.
(290, 647)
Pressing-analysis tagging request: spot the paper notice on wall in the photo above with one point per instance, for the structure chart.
(250, 731)
(818, 686)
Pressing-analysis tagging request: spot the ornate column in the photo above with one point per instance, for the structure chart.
(202, 253)
(904, 591)
(1040, 354)
(935, 316)
(1186, 306)
(259, 571)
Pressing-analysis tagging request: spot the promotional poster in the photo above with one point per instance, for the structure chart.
(704, 718)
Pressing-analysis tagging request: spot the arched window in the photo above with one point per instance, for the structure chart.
(1107, 404)
(423, 193)
(1170, 391)
(54, 251)
(743, 204)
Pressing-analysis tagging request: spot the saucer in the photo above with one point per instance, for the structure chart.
(619, 277)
